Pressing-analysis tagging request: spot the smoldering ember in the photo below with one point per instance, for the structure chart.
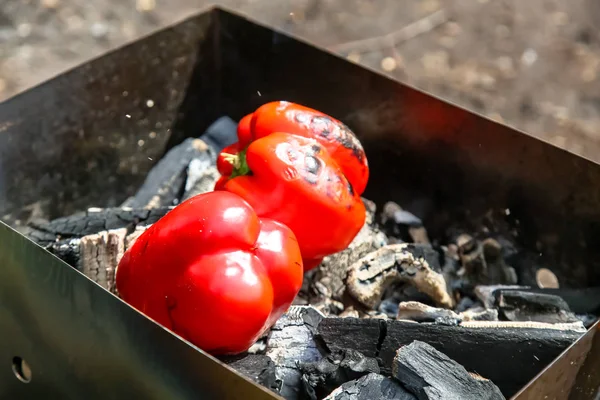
(397, 315)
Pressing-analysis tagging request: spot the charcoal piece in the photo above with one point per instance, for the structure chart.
(509, 354)
(418, 234)
(464, 304)
(580, 300)
(328, 307)
(587, 320)
(370, 387)
(329, 278)
(67, 250)
(374, 314)
(291, 341)
(524, 306)
(405, 292)
(164, 185)
(95, 224)
(479, 314)
(100, 255)
(258, 368)
(93, 221)
(497, 270)
(566, 327)
(393, 212)
(369, 277)
(349, 312)
(402, 224)
(323, 376)
(389, 307)
(431, 375)
(485, 293)
(419, 312)
(364, 334)
(101, 252)
(220, 134)
(483, 263)
(201, 178)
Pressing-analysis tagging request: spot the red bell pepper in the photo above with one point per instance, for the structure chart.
(213, 272)
(336, 137)
(294, 180)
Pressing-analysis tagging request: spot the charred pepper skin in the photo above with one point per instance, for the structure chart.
(294, 180)
(213, 272)
(333, 135)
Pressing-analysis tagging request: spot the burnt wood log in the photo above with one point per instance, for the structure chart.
(397, 294)
(100, 255)
(485, 293)
(97, 255)
(92, 242)
(580, 300)
(431, 375)
(369, 277)
(362, 334)
(483, 263)
(509, 354)
(321, 377)
(328, 282)
(164, 185)
(480, 314)
(91, 222)
(370, 387)
(258, 368)
(419, 312)
(517, 305)
(291, 342)
(415, 311)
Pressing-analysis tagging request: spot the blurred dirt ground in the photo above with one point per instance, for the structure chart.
(533, 64)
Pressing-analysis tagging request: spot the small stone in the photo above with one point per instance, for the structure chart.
(354, 57)
(496, 117)
(24, 30)
(50, 3)
(529, 57)
(388, 64)
(453, 29)
(145, 5)
(98, 30)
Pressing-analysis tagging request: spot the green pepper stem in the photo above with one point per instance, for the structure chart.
(238, 161)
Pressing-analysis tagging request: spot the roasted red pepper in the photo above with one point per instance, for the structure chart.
(213, 272)
(336, 137)
(294, 180)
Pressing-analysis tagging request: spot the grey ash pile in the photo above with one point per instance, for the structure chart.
(397, 315)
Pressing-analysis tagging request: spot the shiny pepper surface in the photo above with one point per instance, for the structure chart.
(333, 135)
(213, 272)
(294, 180)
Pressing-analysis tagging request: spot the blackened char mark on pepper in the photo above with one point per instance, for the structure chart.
(308, 163)
(324, 126)
(312, 165)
